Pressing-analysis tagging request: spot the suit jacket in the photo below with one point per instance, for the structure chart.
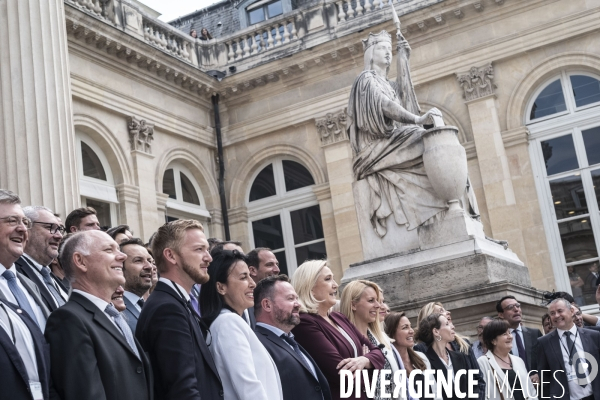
(460, 361)
(183, 366)
(489, 367)
(252, 318)
(590, 283)
(297, 380)
(131, 314)
(23, 266)
(14, 380)
(550, 358)
(328, 346)
(33, 291)
(530, 337)
(91, 358)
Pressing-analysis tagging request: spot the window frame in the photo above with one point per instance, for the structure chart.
(264, 4)
(177, 207)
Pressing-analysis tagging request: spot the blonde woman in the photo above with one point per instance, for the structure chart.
(361, 303)
(329, 337)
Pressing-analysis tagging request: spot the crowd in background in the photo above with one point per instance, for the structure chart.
(93, 314)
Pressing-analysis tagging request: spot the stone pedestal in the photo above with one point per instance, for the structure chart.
(36, 126)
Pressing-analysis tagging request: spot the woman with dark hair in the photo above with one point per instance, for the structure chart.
(204, 35)
(505, 374)
(436, 332)
(245, 367)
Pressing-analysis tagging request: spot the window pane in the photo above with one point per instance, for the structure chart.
(283, 268)
(169, 184)
(103, 210)
(264, 184)
(588, 274)
(314, 251)
(559, 154)
(267, 233)
(306, 224)
(585, 89)
(550, 101)
(568, 197)
(591, 139)
(596, 183)
(296, 176)
(274, 9)
(188, 191)
(577, 240)
(256, 16)
(92, 166)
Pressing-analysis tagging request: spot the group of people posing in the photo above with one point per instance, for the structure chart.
(219, 323)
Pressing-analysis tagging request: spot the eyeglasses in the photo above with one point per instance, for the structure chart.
(513, 306)
(14, 221)
(53, 228)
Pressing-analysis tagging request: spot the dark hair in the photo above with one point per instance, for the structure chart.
(212, 242)
(211, 302)
(252, 257)
(265, 288)
(499, 303)
(545, 317)
(426, 327)
(208, 36)
(219, 245)
(391, 322)
(74, 218)
(113, 232)
(127, 242)
(492, 330)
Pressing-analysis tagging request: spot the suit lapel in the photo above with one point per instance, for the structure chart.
(340, 336)
(282, 344)
(13, 354)
(131, 307)
(28, 270)
(28, 285)
(528, 339)
(555, 345)
(436, 363)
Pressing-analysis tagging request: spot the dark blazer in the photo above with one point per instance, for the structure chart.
(183, 366)
(252, 318)
(13, 378)
(460, 361)
(297, 381)
(328, 346)
(23, 266)
(550, 358)
(131, 314)
(33, 291)
(530, 336)
(91, 358)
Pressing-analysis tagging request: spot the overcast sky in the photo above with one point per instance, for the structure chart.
(171, 9)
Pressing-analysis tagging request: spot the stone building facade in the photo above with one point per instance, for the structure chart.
(102, 104)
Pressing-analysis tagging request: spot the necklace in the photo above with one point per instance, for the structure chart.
(507, 363)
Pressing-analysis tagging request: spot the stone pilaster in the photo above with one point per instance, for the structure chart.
(36, 127)
(144, 175)
(129, 196)
(239, 227)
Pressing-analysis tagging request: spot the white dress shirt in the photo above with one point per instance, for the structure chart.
(133, 298)
(37, 269)
(98, 302)
(577, 392)
(39, 315)
(186, 295)
(22, 340)
(449, 367)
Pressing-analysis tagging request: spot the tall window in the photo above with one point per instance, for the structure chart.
(96, 184)
(564, 121)
(285, 215)
(263, 10)
(185, 196)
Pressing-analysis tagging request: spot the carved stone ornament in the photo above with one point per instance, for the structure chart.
(479, 82)
(141, 134)
(332, 128)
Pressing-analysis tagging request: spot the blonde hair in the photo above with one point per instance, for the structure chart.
(351, 295)
(171, 235)
(427, 310)
(303, 281)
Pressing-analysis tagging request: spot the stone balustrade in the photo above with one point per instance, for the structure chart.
(170, 40)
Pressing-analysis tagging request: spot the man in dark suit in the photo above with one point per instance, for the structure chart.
(24, 355)
(261, 263)
(138, 278)
(94, 354)
(278, 311)
(14, 286)
(41, 248)
(168, 328)
(561, 354)
(525, 342)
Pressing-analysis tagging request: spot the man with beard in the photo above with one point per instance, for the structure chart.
(261, 263)
(278, 311)
(137, 270)
(169, 329)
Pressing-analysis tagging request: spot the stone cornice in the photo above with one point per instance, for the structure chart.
(322, 191)
(128, 193)
(515, 137)
(238, 215)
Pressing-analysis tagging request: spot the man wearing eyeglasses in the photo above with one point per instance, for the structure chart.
(14, 286)
(41, 248)
(525, 343)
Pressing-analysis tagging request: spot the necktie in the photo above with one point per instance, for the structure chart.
(194, 304)
(19, 294)
(571, 349)
(292, 342)
(520, 347)
(118, 318)
(45, 271)
(140, 302)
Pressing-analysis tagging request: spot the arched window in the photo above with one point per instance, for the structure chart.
(564, 121)
(96, 184)
(185, 196)
(285, 215)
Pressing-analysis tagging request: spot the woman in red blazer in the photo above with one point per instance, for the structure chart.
(329, 337)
